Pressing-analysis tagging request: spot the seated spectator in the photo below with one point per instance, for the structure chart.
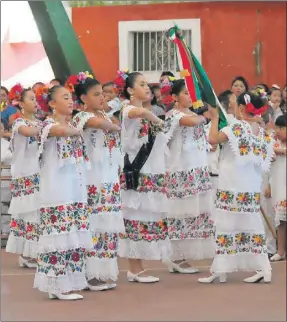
(283, 104)
(157, 94)
(6, 109)
(239, 85)
(151, 104)
(36, 86)
(263, 86)
(56, 82)
(165, 75)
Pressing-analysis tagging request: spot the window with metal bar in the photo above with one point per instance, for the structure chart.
(154, 52)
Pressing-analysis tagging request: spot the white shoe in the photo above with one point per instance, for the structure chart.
(101, 287)
(175, 268)
(259, 276)
(141, 279)
(207, 280)
(65, 297)
(277, 258)
(25, 263)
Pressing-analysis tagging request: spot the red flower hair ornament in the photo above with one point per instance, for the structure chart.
(165, 88)
(15, 93)
(42, 93)
(74, 80)
(120, 80)
(250, 107)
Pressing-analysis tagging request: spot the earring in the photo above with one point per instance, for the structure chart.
(22, 110)
(131, 97)
(85, 106)
(54, 111)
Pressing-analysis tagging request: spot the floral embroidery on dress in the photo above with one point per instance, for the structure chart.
(112, 140)
(25, 186)
(93, 195)
(156, 128)
(147, 182)
(27, 230)
(243, 146)
(168, 123)
(182, 184)
(108, 199)
(144, 128)
(244, 143)
(280, 209)
(55, 263)
(237, 130)
(22, 122)
(64, 218)
(78, 118)
(93, 138)
(267, 137)
(238, 202)
(200, 227)
(72, 148)
(198, 132)
(110, 193)
(104, 246)
(137, 230)
(171, 117)
(243, 242)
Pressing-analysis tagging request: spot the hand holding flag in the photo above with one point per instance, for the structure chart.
(197, 82)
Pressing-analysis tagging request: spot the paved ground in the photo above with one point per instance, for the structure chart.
(175, 298)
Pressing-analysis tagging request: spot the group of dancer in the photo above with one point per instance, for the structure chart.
(115, 178)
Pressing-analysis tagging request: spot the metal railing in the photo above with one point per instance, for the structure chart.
(5, 178)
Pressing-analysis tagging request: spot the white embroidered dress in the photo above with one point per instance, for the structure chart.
(64, 223)
(240, 235)
(24, 206)
(104, 202)
(278, 185)
(189, 190)
(144, 209)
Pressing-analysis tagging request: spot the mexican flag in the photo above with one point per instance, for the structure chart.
(197, 82)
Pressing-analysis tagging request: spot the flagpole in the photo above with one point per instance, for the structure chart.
(220, 106)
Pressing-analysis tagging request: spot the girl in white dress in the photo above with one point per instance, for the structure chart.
(64, 220)
(247, 151)
(142, 184)
(278, 186)
(24, 206)
(103, 187)
(189, 186)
